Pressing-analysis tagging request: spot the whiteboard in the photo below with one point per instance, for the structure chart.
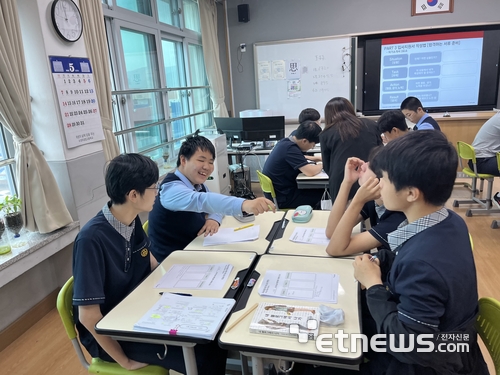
(292, 75)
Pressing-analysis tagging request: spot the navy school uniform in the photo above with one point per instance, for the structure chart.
(430, 287)
(104, 276)
(381, 226)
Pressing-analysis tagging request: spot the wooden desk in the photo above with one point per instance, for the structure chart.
(260, 346)
(266, 222)
(314, 182)
(284, 246)
(120, 321)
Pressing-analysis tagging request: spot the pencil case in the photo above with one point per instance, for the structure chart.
(302, 214)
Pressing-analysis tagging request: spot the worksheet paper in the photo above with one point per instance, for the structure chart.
(311, 286)
(315, 236)
(196, 276)
(186, 316)
(229, 235)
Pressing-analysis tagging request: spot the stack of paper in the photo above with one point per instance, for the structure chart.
(314, 236)
(230, 235)
(186, 316)
(311, 286)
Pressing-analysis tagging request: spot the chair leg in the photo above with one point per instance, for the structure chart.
(486, 204)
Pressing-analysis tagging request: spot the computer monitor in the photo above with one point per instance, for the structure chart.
(252, 129)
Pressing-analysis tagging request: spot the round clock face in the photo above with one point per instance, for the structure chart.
(67, 20)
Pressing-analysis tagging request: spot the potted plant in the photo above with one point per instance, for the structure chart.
(11, 206)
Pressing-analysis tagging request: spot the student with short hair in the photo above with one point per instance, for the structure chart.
(426, 283)
(285, 163)
(111, 256)
(413, 110)
(310, 114)
(186, 208)
(287, 160)
(341, 219)
(392, 125)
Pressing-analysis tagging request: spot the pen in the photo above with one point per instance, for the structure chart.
(179, 294)
(241, 317)
(243, 227)
(373, 258)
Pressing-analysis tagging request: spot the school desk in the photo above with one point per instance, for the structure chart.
(268, 222)
(318, 181)
(284, 246)
(259, 346)
(119, 322)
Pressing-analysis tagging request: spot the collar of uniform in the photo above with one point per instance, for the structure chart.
(188, 183)
(125, 230)
(406, 231)
(380, 210)
(422, 119)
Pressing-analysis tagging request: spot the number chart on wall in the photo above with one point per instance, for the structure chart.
(296, 74)
(77, 100)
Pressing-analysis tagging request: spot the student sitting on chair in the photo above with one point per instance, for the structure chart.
(285, 163)
(392, 125)
(486, 145)
(367, 198)
(426, 283)
(186, 208)
(413, 110)
(111, 256)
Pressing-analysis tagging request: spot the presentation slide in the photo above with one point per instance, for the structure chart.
(440, 69)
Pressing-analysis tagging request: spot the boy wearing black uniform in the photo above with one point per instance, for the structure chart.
(427, 283)
(111, 256)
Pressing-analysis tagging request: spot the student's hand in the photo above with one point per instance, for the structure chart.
(352, 170)
(258, 206)
(134, 365)
(366, 271)
(210, 228)
(369, 191)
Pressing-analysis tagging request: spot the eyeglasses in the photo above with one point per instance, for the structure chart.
(157, 186)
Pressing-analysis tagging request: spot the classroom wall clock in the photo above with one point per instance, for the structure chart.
(420, 7)
(67, 20)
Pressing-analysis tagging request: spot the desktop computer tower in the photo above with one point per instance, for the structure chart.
(219, 181)
(240, 181)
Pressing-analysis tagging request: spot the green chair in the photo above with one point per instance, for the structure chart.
(495, 223)
(267, 186)
(488, 327)
(466, 151)
(97, 365)
(145, 226)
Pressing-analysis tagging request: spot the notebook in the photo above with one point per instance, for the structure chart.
(198, 317)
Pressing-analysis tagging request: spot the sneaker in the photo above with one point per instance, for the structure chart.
(496, 197)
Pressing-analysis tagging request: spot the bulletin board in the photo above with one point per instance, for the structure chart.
(292, 75)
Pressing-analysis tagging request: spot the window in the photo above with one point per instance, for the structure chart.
(7, 164)
(159, 83)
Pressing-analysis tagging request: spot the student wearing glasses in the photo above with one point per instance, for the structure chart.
(111, 256)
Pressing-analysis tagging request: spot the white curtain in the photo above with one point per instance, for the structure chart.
(208, 20)
(43, 206)
(94, 34)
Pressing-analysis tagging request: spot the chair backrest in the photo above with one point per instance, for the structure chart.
(498, 160)
(488, 327)
(145, 226)
(98, 366)
(267, 186)
(466, 151)
(65, 308)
